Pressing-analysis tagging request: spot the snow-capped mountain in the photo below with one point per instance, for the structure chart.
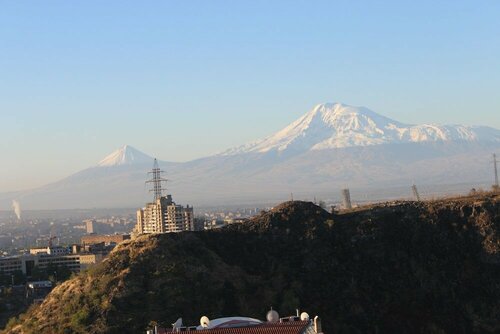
(330, 147)
(337, 125)
(126, 155)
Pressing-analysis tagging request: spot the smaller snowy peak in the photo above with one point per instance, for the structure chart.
(126, 155)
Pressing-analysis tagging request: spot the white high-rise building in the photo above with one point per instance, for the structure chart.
(164, 216)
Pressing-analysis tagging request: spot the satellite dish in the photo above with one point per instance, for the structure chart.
(204, 321)
(304, 316)
(177, 324)
(272, 316)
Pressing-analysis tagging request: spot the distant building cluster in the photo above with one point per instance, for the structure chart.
(92, 250)
(220, 218)
(42, 258)
(95, 226)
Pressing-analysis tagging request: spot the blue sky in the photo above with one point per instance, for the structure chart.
(185, 79)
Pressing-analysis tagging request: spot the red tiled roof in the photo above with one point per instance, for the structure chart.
(293, 327)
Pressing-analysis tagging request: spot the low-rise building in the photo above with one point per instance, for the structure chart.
(51, 250)
(38, 250)
(26, 262)
(87, 260)
(10, 264)
(38, 290)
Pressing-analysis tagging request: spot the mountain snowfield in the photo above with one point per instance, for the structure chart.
(337, 125)
(332, 146)
(126, 155)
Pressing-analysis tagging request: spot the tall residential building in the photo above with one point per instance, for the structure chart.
(163, 215)
(90, 226)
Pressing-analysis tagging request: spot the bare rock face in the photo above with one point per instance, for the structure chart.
(398, 267)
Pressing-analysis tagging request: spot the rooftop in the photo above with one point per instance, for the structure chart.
(244, 325)
(296, 327)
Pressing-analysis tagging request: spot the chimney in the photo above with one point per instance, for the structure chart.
(317, 325)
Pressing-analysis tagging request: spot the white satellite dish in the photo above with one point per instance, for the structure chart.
(304, 316)
(176, 325)
(272, 316)
(204, 321)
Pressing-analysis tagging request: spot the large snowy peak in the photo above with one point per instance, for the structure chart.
(336, 125)
(126, 155)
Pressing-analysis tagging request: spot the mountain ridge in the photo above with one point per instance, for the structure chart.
(338, 125)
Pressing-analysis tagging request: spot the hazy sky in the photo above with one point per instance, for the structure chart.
(184, 79)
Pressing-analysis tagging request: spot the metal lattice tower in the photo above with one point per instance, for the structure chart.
(496, 171)
(415, 192)
(156, 180)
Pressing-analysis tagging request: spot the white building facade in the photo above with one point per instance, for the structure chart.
(164, 216)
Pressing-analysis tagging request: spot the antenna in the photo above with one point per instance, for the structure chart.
(156, 180)
(496, 171)
(204, 322)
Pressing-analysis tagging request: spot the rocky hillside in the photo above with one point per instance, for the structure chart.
(407, 267)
